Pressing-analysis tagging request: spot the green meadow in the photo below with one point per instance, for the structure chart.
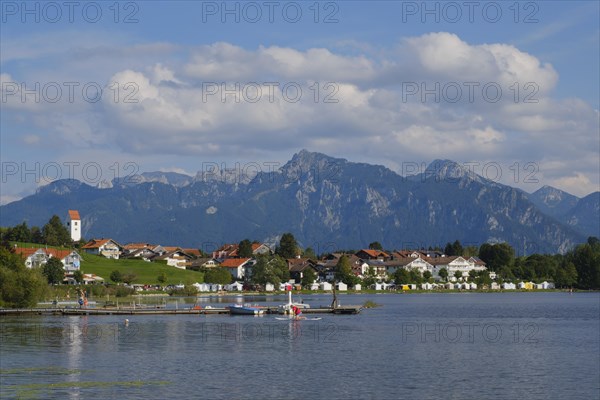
(145, 272)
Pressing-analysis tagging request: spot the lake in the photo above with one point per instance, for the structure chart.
(416, 346)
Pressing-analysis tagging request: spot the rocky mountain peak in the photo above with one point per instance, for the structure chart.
(450, 171)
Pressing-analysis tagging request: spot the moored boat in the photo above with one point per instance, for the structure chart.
(239, 309)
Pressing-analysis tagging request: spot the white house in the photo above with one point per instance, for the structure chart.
(34, 258)
(232, 251)
(341, 286)
(178, 258)
(236, 266)
(325, 286)
(494, 286)
(409, 263)
(314, 286)
(509, 286)
(74, 225)
(426, 286)
(70, 259)
(454, 264)
(103, 247)
(269, 287)
(357, 287)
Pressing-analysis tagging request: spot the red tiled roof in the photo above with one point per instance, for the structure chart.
(95, 243)
(60, 254)
(232, 249)
(194, 252)
(135, 246)
(374, 253)
(171, 249)
(255, 246)
(25, 252)
(233, 262)
(74, 214)
(227, 247)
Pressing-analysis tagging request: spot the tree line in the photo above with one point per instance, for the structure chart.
(579, 268)
(53, 233)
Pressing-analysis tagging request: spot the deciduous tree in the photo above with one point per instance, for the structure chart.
(78, 276)
(53, 271)
(443, 273)
(219, 276)
(54, 233)
(308, 276)
(497, 255)
(343, 271)
(375, 246)
(116, 276)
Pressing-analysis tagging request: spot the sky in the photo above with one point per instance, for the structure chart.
(98, 90)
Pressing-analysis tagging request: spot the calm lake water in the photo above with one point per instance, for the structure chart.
(421, 346)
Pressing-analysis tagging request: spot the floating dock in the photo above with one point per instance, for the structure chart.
(165, 311)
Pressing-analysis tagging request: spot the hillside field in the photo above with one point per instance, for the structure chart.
(145, 272)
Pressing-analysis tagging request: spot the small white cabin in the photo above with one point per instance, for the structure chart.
(547, 285)
(234, 287)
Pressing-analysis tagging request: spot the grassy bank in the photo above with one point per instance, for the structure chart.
(145, 272)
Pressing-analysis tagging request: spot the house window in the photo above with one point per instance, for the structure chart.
(75, 223)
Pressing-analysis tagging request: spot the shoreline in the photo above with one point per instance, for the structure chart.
(125, 300)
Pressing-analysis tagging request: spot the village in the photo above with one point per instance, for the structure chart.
(373, 269)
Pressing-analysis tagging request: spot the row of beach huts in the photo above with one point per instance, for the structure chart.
(342, 287)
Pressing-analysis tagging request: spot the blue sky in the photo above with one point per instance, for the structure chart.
(394, 70)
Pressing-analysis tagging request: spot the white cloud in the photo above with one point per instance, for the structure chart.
(171, 116)
(578, 184)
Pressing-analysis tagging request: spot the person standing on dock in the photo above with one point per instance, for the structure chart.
(82, 299)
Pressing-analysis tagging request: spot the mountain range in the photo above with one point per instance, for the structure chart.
(327, 203)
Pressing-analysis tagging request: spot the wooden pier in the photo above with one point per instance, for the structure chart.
(164, 311)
